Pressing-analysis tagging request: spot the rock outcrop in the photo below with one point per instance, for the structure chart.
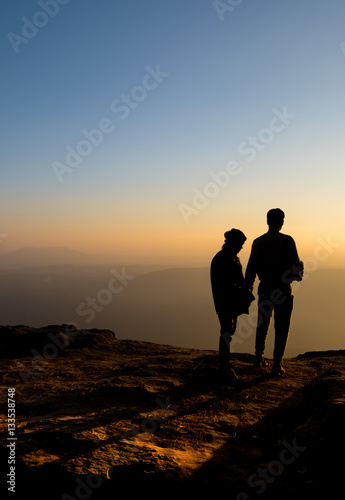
(105, 417)
(21, 340)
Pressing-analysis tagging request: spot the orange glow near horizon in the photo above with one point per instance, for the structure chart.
(154, 239)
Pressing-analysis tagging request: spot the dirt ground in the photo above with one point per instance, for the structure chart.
(103, 416)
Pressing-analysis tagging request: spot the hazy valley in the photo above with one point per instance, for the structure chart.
(168, 306)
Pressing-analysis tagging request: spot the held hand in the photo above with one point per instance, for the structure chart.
(295, 273)
(301, 266)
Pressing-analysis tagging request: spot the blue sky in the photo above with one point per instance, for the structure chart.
(223, 79)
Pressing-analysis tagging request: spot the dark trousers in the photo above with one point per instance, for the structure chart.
(227, 329)
(279, 300)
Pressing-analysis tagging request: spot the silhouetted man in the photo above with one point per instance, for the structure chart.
(226, 277)
(275, 260)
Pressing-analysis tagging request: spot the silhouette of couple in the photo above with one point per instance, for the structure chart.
(274, 259)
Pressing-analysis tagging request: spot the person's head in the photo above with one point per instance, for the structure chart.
(275, 219)
(234, 240)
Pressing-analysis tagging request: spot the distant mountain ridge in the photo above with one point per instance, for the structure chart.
(46, 256)
(40, 257)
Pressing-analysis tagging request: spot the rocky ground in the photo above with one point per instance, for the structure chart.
(97, 417)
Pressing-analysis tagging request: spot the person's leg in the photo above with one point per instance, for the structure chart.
(282, 319)
(265, 308)
(227, 329)
(224, 350)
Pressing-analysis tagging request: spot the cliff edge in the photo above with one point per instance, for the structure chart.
(96, 417)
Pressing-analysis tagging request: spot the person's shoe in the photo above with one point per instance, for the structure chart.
(229, 375)
(259, 362)
(277, 370)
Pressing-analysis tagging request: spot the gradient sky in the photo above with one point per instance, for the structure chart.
(222, 80)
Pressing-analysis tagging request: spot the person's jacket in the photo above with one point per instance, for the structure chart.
(272, 257)
(226, 276)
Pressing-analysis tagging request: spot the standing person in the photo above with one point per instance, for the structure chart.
(275, 260)
(226, 281)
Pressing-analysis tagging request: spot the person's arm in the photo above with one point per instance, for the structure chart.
(251, 267)
(296, 266)
(217, 279)
(292, 253)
